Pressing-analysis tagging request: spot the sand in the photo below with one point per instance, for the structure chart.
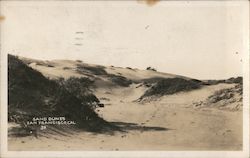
(169, 123)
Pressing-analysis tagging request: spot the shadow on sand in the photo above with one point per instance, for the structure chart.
(126, 126)
(68, 131)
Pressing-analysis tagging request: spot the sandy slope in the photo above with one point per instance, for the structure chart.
(168, 123)
(67, 68)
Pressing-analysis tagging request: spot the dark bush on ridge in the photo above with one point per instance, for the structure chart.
(171, 86)
(238, 80)
(120, 80)
(98, 70)
(151, 68)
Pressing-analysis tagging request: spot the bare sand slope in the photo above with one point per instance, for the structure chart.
(69, 68)
(167, 123)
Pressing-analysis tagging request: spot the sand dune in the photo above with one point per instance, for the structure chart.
(167, 122)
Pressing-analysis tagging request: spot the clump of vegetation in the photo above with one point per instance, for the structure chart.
(221, 95)
(49, 65)
(30, 94)
(226, 94)
(151, 68)
(170, 86)
(96, 70)
(120, 80)
(100, 70)
(66, 68)
(237, 80)
(80, 87)
(229, 98)
(79, 61)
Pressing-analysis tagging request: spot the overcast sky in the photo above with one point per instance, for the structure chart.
(202, 40)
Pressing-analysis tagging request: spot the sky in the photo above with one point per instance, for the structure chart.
(203, 40)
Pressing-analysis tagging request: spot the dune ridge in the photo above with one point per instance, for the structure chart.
(144, 109)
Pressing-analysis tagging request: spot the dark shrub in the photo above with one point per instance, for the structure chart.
(80, 87)
(238, 80)
(120, 80)
(97, 70)
(151, 68)
(213, 82)
(171, 86)
(129, 68)
(66, 68)
(79, 61)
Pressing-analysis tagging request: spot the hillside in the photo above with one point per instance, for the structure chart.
(30, 95)
(143, 109)
(109, 74)
(144, 84)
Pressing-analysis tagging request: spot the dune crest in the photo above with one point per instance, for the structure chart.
(144, 109)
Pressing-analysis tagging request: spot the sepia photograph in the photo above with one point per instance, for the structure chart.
(124, 78)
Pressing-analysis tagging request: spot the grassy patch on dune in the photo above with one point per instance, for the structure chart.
(237, 80)
(96, 70)
(81, 88)
(170, 86)
(100, 71)
(119, 80)
(227, 94)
